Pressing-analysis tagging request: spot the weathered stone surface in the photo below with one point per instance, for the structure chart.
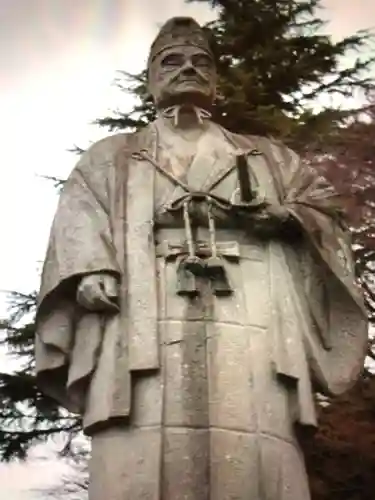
(254, 466)
(195, 398)
(125, 464)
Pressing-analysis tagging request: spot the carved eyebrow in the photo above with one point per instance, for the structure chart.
(202, 56)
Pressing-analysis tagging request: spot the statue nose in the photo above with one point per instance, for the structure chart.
(188, 69)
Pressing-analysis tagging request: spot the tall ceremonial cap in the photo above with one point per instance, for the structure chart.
(177, 32)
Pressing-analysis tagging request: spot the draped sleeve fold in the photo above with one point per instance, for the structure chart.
(327, 295)
(81, 242)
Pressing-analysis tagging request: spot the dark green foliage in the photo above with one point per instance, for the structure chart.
(143, 111)
(27, 416)
(273, 64)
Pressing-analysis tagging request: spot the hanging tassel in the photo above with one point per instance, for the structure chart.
(220, 284)
(215, 264)
(186, 281)
(192, 262)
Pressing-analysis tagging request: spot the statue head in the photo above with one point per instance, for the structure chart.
(181, 68)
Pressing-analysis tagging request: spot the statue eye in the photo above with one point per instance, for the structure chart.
(172, 61)
(202, 61)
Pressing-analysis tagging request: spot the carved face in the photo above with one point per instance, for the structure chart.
(184, 74)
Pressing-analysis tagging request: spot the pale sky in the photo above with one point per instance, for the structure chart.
(58, 59)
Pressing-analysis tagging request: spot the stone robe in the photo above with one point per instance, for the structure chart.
(197, 398)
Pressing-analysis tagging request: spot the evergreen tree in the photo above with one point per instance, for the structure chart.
(73, 484)
(348, 161)
(26, 415)
(273, 64)
(340, 458)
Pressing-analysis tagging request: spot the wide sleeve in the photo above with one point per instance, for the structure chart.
(81, 242)
(337, 332)
(81, 237)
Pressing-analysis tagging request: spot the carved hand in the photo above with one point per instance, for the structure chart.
(272, 211)
(98, 292)
(270, 220)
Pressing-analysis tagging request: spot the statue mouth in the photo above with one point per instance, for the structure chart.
(190, 80)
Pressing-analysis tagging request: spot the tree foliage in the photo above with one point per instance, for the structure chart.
(27, 416)
(274, 64)
(73, 484)
(340, 458)
(347, 159)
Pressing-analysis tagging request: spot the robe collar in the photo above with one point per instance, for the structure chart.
(149, 140)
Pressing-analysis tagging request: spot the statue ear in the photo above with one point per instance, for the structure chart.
(150, 87)
(219, 96)
(149, 97)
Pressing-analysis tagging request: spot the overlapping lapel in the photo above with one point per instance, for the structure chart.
(166, 191)
(210, 166)
(210, 161)
(263, 167)
(223, 167)
(207, 163)
(201, 169)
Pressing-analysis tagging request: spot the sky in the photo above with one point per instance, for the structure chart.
(58, 59)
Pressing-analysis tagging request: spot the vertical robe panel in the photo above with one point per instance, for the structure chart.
(215, 423)
(219, 422)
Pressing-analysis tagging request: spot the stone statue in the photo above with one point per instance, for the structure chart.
(198, 288)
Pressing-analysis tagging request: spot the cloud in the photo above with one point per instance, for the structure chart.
(347, 17)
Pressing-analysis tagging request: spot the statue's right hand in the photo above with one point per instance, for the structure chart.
(98, 292)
